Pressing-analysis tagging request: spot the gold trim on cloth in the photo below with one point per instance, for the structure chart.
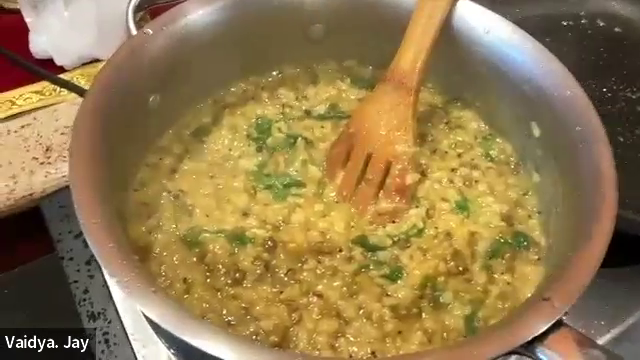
(9, 4)
(43, 94)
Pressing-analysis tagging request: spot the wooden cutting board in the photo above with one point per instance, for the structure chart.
(34, 155)
(35, 130)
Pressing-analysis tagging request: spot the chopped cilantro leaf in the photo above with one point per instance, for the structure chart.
(395, 273)
(412, 232)
(238, 237)
(471, 322)
(196, 236)
(487, 144)
(280, 185)
(521, 240)
(462, 206)
(261, 132)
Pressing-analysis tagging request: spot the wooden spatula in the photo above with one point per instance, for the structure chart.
(374, 151)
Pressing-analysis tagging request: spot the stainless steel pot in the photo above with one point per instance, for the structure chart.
(204, 45)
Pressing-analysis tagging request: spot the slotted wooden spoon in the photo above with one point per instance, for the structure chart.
(374, 151)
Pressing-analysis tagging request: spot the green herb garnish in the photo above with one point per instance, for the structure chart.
(196, 236)
(238, 237)
(521, 240)
(191, 237)
(462, 206)
(395, 273)
(518, 240)
(280, 185)
(364, 242)
(414, 231)
(261, 132)
(472, 322)
(487, 144)
(332, 112)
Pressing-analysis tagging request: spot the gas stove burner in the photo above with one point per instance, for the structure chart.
(624, 251)
(179, 349)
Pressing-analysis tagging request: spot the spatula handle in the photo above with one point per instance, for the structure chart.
(409, 63)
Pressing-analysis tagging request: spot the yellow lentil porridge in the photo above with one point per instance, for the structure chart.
(232, 215)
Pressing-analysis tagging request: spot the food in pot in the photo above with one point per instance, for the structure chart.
(232, 215)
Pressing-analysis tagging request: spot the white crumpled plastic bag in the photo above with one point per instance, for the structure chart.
(74, 32)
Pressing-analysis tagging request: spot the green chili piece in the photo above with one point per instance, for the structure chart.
(364, 242)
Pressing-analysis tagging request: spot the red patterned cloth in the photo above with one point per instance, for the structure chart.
(14, 36)
(24, 236)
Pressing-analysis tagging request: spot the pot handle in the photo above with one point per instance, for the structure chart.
(563, 342)
(136, 6)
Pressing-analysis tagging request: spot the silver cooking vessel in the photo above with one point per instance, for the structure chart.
(519, 88)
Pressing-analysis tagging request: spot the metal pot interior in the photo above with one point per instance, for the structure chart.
(201, 47)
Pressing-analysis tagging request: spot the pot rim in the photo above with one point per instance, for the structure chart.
(541, 311)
